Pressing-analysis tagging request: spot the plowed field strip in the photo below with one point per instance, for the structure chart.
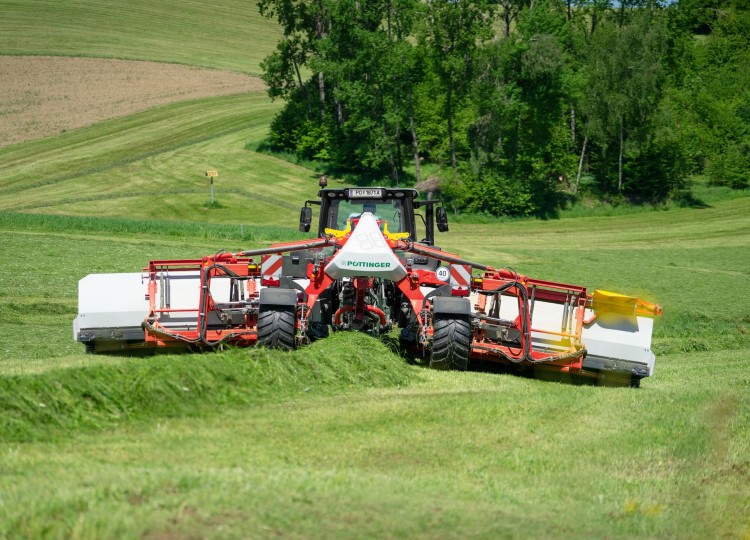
(44, 96)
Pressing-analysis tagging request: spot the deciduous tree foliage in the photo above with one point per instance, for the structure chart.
(517, 100)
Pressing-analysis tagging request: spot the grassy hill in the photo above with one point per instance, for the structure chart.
(344, 438)
(228, 34)
(152, 166)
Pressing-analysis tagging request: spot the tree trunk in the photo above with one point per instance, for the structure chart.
(322, 90)
(517, 140)
(391, 162)
(414, 141)
(339, 112)
(499, 147)
(580, 165)
(449, 107)
(296, 70)
(397, 141)
(302, 87)
(506, 16)
(388, 17)
(573, 124)
(619, 166)
(593, 21)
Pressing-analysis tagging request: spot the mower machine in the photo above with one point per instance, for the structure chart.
(367, 271)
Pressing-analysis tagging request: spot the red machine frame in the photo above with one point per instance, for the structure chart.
(242, 267)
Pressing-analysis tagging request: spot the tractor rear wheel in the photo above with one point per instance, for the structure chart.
(276, 328)
(451, 343)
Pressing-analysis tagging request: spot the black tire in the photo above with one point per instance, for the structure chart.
(451, 343)
(276, 328)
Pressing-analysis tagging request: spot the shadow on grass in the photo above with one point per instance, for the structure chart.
(538, 372)
(548, 373)
(688, 199)
(413, 357)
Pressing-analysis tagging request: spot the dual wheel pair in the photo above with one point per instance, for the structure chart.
(451, 341)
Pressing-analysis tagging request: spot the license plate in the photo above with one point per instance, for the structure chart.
(365, 193)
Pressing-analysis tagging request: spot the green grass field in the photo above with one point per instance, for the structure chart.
(344, 438)
(228, 34)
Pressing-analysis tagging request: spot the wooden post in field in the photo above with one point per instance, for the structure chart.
(212, 174)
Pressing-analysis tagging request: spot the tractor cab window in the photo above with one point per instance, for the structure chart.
(390, 211)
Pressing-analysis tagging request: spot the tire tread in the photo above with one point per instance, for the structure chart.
(276, 329)
(451, 344)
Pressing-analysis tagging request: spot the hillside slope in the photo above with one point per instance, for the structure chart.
(48, 95)
(227, 34)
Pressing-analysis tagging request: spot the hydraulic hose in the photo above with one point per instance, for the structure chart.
(202, 317)
(526, 351)
(440, 255)
(283, 248)
(372, 309)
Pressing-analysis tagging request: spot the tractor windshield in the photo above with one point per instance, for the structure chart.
(390, 211)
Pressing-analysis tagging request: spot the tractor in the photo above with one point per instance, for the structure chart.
(372, 267)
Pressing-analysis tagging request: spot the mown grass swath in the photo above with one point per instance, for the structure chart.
(624, 463)
(342, 438)
(152, 166)
(121, 141)
(62, 401)
(229, 34)
(498, 444)
(132, 228)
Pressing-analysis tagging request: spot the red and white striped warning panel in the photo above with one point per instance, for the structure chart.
(270, 266)
(460, 279)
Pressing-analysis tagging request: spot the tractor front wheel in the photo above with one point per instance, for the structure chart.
(276, 328)
(451, 343)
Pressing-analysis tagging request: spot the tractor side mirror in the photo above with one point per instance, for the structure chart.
(305, 219)
(441, 217)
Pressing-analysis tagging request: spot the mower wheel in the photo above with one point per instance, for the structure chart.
(451, 343)
(276, 328)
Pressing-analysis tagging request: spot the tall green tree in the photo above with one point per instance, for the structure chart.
(711, 96)
(517, 96)
(451, 33)
(625, 74)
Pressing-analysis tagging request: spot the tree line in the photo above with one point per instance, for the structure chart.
(517, 100)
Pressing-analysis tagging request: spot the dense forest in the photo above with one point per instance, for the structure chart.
(511, 103)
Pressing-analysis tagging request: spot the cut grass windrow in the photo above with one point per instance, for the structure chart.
(129, 227)
(147, 194)
(37, 407)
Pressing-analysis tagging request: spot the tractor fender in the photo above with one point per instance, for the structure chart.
(278, 297)
(449, 305)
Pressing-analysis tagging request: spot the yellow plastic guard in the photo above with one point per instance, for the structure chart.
(340, 233)
(611, 302)
(389, 235)
(394, 236)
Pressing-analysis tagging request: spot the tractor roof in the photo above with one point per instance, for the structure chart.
(368, 193)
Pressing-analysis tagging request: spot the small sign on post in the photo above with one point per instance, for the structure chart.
(212, 173)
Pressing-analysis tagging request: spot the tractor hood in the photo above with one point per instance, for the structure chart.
(366, 253)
